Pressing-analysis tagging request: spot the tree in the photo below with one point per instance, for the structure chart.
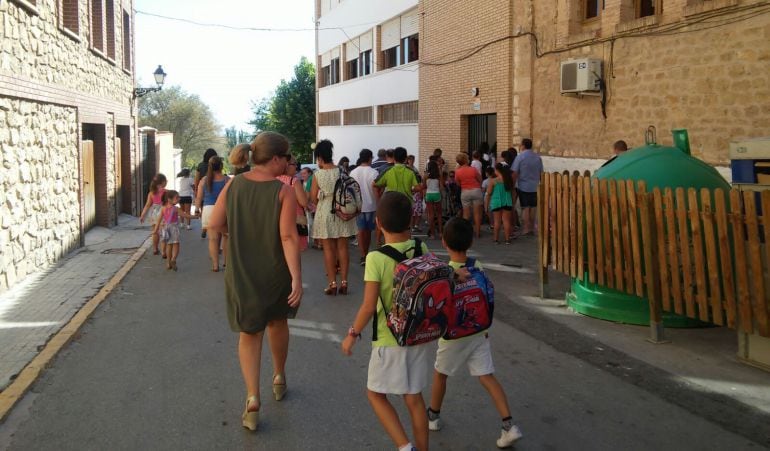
(291, 110)
(233, 137)
(186, 116)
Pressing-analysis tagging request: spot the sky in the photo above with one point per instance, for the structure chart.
(227, 69)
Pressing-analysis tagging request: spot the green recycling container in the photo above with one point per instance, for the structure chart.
(660, 167)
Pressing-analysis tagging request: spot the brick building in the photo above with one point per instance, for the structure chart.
(367, 77)
(695, 64)
(67, 127)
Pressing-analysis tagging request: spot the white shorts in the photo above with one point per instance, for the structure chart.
(205, 215)
(473, 351)
(471, 197)
(399, 371)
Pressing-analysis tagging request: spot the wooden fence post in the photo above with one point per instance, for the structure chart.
(651, 273)
(544, 224)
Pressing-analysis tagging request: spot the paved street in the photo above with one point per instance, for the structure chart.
(156, 368)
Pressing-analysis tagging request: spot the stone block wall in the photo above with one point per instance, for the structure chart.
(39, 215)
(54, 85)
(713, 82)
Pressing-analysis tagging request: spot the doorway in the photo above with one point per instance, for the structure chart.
(89, 185)
(482, 129)
(94, 157)
(123, 173)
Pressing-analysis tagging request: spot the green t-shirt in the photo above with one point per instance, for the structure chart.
(379, 268)
(398, 178)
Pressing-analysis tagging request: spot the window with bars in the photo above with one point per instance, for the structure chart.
(126, 41)
(329, 119)
(110, 27)
(69, 15)
(97, 25)
(358, 116)
(398, 113)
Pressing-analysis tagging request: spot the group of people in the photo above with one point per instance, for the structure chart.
(263, 278)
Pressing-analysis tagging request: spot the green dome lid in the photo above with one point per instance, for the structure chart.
(663, 167)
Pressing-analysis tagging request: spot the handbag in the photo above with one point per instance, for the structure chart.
(302, 228)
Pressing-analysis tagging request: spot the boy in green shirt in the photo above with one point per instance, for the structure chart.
(392, 369)
(473, 351)
(399, 178)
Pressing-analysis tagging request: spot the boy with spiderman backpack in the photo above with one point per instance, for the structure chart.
(400, 359)
(466, 342)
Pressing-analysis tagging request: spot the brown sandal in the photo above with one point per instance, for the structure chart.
(343, 290)
(331, 290)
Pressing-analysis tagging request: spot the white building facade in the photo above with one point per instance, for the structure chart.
(367, 79)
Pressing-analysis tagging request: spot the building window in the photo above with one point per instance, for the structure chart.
(70, 15)
(126, 41)
(97, 25)
(329, 119)
(390, 57)
(334, 72)
(646, 8)
(592, 8)
(398, 113)
(351, 71)
(330, 74)
(365, 63)
(110, 22)
(410, 49)
(29, 5)
(358, 116)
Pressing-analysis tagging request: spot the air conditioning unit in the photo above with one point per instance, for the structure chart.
(580, 75)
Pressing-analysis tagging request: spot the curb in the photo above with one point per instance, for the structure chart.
(34, 369)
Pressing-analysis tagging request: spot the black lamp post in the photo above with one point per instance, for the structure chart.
(160, 77)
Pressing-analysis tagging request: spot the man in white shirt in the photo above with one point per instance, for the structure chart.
(365, 175)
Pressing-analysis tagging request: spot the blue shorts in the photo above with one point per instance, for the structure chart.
(365, 221)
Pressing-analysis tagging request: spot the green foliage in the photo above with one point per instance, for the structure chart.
(291, 110)
(187, 117)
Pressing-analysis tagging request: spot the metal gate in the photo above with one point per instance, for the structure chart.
(89, 184)
(482, 128)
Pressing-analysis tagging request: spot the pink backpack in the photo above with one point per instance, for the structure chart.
(422, 293)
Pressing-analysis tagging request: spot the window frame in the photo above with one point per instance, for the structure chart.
(28, 5)
(351, 67)
(127, 41)
(410, 46)
(110, 49)
(63, 18)
(93, 16)
(390, 54)
(584, 10)
(657, 6)
(365, 63)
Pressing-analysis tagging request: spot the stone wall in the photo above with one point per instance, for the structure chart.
(54, 85)
(39, 215)
(713, 82)
(709, 76)
(36, 48)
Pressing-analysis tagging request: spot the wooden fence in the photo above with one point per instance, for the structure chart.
(699, 253)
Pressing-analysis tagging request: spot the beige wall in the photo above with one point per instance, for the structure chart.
(713, 82)
(445, 90)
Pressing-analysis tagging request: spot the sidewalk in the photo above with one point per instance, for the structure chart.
(34, 310)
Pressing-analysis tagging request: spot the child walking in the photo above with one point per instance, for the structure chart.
(473, 351)
(499, 200)
(186, 192)
(167, 227)
(432, 187)
(393, 370)
(153, 205)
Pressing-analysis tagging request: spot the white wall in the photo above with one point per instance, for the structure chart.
(349, 140)
(356, 17)
(380, 88)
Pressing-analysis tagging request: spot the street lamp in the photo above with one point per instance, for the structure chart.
(160, 77)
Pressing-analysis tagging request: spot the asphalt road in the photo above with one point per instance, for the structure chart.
(156, 369)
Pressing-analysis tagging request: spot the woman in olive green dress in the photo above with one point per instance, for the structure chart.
(263, 283)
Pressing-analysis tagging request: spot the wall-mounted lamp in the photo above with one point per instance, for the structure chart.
(475, 92)
(160, 77)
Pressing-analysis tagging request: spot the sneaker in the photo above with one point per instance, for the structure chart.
(435, 425)
(189, 228)
(203, 234)
(508, 438)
